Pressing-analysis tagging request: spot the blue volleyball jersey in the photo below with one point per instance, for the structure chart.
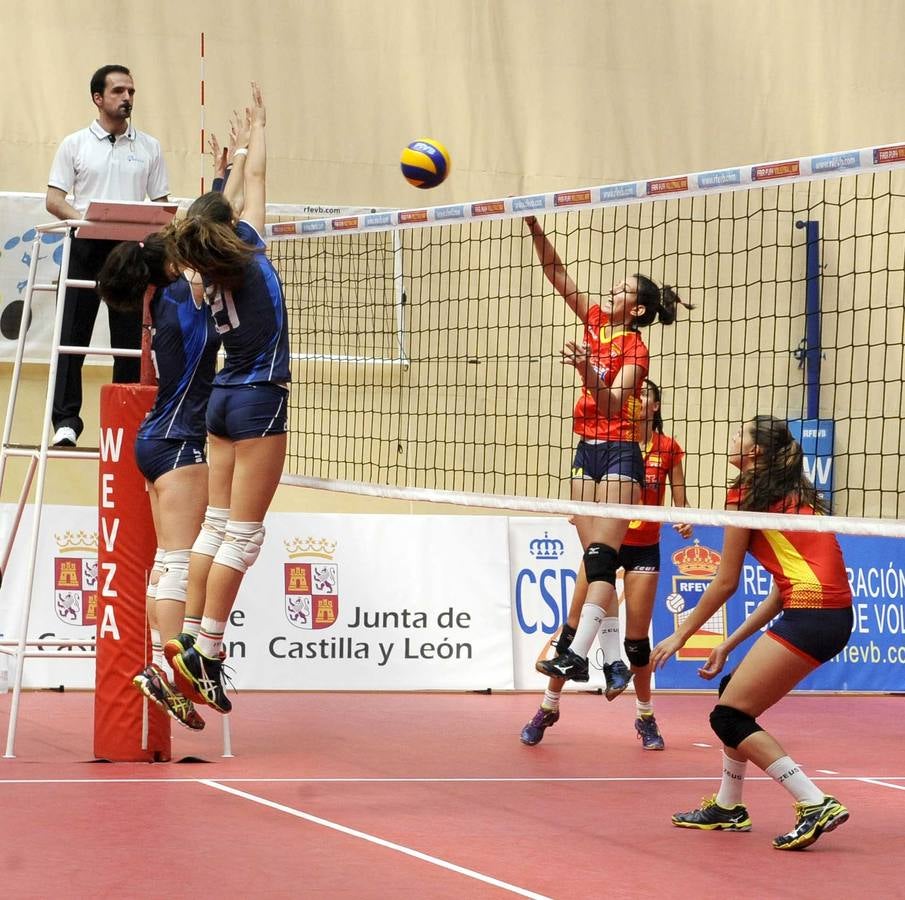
(184, 344)
(252, 321)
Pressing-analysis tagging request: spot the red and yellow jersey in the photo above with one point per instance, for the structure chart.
(608, 356)
(660, 455)
(807, 566)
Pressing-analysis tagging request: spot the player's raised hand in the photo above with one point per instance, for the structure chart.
(257, 111)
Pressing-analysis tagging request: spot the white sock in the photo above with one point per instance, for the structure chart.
(588, 626)
(609, 639)
(730, 792)
(644, 709)
(551, 699)
(787, 773)
(210, 639)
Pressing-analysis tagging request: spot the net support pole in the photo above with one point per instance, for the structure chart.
(812, 318)
(126, 544)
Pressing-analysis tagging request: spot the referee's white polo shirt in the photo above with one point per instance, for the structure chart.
(90, 167)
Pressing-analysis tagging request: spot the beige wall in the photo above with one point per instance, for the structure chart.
(528, 96)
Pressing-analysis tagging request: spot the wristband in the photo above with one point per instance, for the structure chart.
(242, 151)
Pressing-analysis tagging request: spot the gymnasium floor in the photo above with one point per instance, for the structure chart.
(433, 796)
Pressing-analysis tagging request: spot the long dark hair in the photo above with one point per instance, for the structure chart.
(132, 266)
(659, 303)
(657, 419)
(206, 241)
(778, 471)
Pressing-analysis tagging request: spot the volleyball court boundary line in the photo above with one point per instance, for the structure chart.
(879, 780)
(372, 839)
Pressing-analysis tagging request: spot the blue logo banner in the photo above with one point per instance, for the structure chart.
(874, 659)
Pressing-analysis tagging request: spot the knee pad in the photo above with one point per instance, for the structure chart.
(637, 652)
(600, 564)
(241, 545)
(723, 682)
(731, 725)
(155, 573)
(211, 535)
(175, 578)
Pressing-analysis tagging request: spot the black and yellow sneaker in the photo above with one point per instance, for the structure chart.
(171, 649)
(568, 666)
(153, 683)
(810, 822)
(710, 816)
(196, 673)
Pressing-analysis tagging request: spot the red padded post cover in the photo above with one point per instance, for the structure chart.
(126, 544)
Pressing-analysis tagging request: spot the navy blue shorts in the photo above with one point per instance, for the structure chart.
(816, 634)
(639, 559)
(156, 456)
(609, 459)
(247, 411)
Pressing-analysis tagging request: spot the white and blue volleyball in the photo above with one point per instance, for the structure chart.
(425, 163)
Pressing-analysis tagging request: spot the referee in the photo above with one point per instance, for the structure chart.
(108, 160)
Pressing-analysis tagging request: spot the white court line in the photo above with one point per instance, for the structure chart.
(424, 857)
(474, 780)
(898, 787)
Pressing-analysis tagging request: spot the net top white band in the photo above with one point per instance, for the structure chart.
(629, 512)
(827, 165)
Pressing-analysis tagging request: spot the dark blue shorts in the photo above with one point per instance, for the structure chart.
(609, 459)
(247, 411)
(639, 559)
(156, 457)
(817, 634)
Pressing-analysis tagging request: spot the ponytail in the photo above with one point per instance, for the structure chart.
(659, 303)
(657, 418)
(132, 266)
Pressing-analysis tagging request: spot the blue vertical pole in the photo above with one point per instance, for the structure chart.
(812, 352)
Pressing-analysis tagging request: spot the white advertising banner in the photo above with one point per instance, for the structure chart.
(357, 602)
(335, 602)
(545, 555)
(65, 593)
(19, 214)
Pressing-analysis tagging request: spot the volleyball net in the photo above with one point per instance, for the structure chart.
(427, 341)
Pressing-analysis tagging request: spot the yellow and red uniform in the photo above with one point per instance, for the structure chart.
(660, 455)
(806, 566)
(608, 356)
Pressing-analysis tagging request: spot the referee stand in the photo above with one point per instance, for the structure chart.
(103, 221)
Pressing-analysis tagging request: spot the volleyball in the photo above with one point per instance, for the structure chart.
(425, 163)
(675, 603)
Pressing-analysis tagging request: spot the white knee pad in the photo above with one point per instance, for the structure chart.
(211, 535)
(155, 573)
(241, 545)
(175, 578)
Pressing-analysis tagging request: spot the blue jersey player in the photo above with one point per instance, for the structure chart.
(170, 446)
(220, 238)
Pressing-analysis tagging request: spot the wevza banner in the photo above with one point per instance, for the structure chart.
(874, 659)
(544, 557)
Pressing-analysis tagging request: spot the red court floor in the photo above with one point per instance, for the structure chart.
(433, 796)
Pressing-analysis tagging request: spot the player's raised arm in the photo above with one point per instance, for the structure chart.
(256, 163)
(556, 272)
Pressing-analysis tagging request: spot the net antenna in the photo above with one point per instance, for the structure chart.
(475, 407)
